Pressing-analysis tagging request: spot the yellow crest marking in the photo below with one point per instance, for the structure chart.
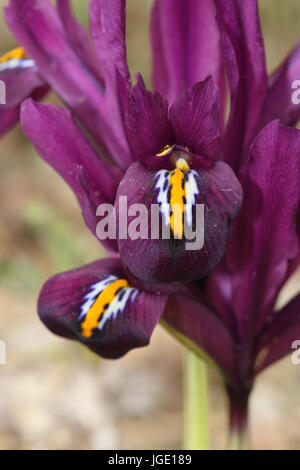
(177, 201)
(18, 53)
(98, 308)
(178, 196)
(164, 151)
(182, 164)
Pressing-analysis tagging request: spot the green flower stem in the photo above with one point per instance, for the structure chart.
(196, 403)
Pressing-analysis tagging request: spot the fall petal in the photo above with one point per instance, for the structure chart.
(179, 256)
(19, 80)
(96, 305)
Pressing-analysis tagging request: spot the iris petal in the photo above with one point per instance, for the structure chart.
(157, 255)
(19, 80)
(195, 119)
(259, 254)
(96, 305)
(279, 103)
(62, 145)
(244, 59)
(192, 122)
(37, 26)
(185, 45)
(198, 327)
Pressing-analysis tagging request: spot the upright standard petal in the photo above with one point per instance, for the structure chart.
(147, 123)
(280, 103)
(244, 57)
(263, 239)
(38, 28)
(96, 305)
(107, 23)
(185, 45)
(178, 221)
(78, 37)
(195, 119)
(191, 125)
(59, 141)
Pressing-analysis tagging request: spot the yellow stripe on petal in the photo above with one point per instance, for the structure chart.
(177, 201)
(15, 54)
(164, 151)
(99, 307)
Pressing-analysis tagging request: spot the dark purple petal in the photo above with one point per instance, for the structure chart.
(279, 103)
(107, 23)
(193, 124)
(8, 119)
(276, 339)
(59, 141)
(10, 116)
(38, 28)
(185, 44)
(263, 238)
(20, 81)
(164, 260)
(147, 124)
(218, 289)
(198, 324)
(179, 288)
(195, 118)
(77, 36)
(95, 305)
(244, 56)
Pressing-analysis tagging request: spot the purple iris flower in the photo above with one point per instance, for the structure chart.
(21, 78)
(177, 133)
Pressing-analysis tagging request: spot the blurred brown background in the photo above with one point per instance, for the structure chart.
(53, 393)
